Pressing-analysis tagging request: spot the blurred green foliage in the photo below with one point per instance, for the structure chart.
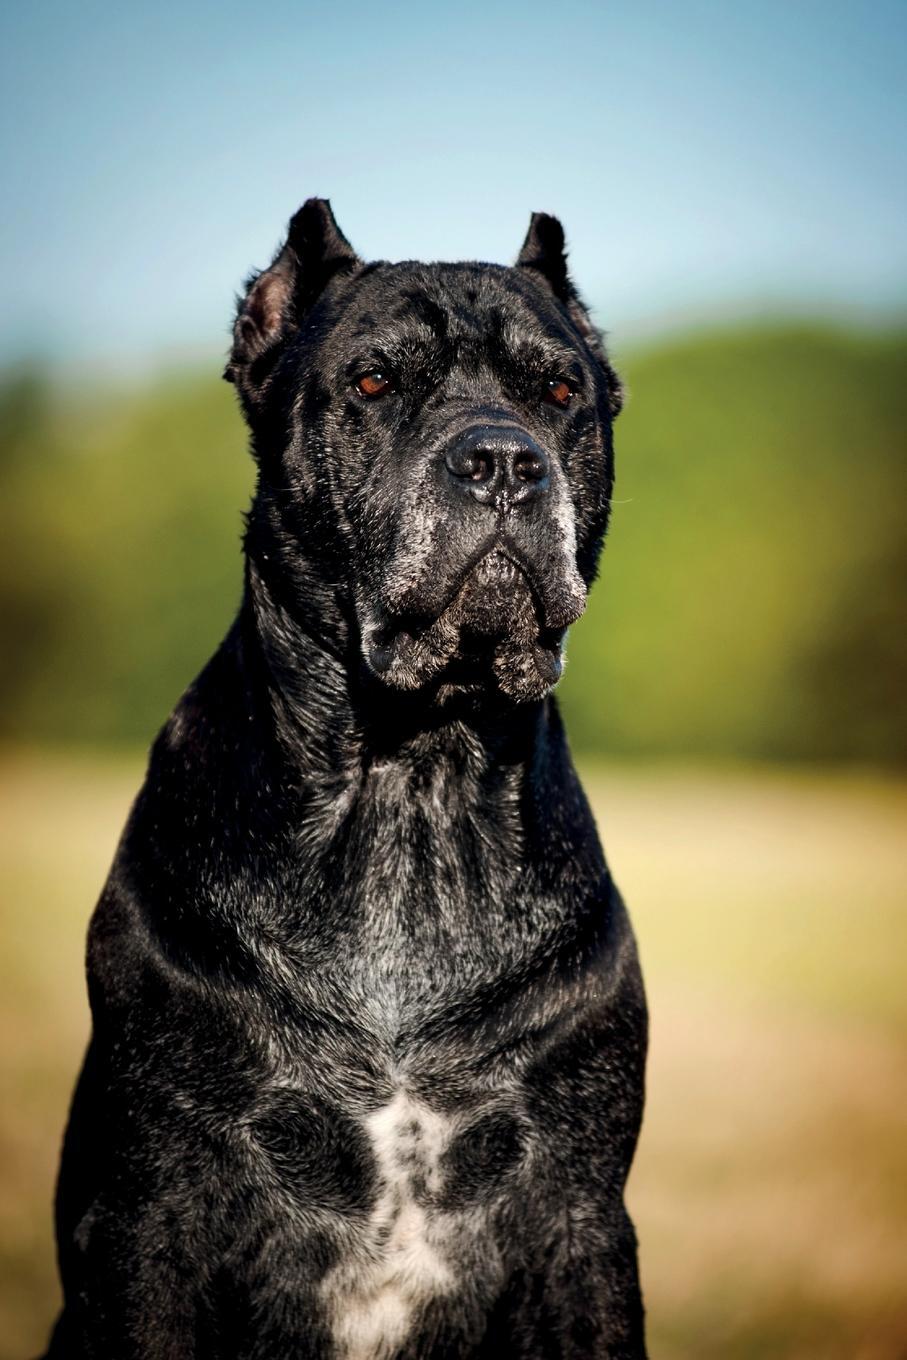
(752, 593)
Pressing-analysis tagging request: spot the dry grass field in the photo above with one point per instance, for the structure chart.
(770, 1190)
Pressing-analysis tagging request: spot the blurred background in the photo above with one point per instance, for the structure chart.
(732, 184)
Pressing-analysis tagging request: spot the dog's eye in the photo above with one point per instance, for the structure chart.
(373, 384)
(558, 392)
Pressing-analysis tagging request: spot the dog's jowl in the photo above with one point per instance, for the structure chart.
(366, 1070)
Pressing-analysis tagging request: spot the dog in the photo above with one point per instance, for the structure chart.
(366, 1069)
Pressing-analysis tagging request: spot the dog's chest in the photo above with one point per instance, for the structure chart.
(402, 1257)
(428, 923)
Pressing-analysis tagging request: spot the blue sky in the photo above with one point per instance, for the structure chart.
(706, 158)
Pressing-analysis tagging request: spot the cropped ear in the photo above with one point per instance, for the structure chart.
(278, 298)
(544, 252)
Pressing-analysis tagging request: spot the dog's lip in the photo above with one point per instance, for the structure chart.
(405, 616)
(517, 569)
(403, 626)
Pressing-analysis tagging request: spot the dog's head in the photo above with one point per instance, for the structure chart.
(434, 449)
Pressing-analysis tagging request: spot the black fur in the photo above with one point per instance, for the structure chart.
(366, 1072)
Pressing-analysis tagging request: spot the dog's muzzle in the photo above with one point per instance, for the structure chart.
(483, 579)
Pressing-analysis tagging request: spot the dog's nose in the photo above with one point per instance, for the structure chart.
(494, 462)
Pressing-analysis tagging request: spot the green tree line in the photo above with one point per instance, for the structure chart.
(751, 601)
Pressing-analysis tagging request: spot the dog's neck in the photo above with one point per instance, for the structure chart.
(385, 797)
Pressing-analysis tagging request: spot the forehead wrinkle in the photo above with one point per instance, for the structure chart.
(401, 345)
(544, 347)
(474, 304)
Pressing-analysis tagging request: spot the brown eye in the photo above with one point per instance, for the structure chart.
(373, 384)
(558, 392)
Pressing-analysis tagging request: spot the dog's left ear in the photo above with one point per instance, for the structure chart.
(544, 252)
(278, 298)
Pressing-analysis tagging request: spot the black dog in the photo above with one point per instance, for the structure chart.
(366, 1072)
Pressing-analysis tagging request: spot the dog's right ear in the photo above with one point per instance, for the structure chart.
(278, 298)
(544, 254)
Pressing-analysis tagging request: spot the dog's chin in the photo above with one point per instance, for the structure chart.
(489, 639)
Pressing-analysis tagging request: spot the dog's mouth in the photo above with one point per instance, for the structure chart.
(498, 628)
(486, 600)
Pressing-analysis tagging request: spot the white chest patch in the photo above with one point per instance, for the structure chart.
(396, 1264)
